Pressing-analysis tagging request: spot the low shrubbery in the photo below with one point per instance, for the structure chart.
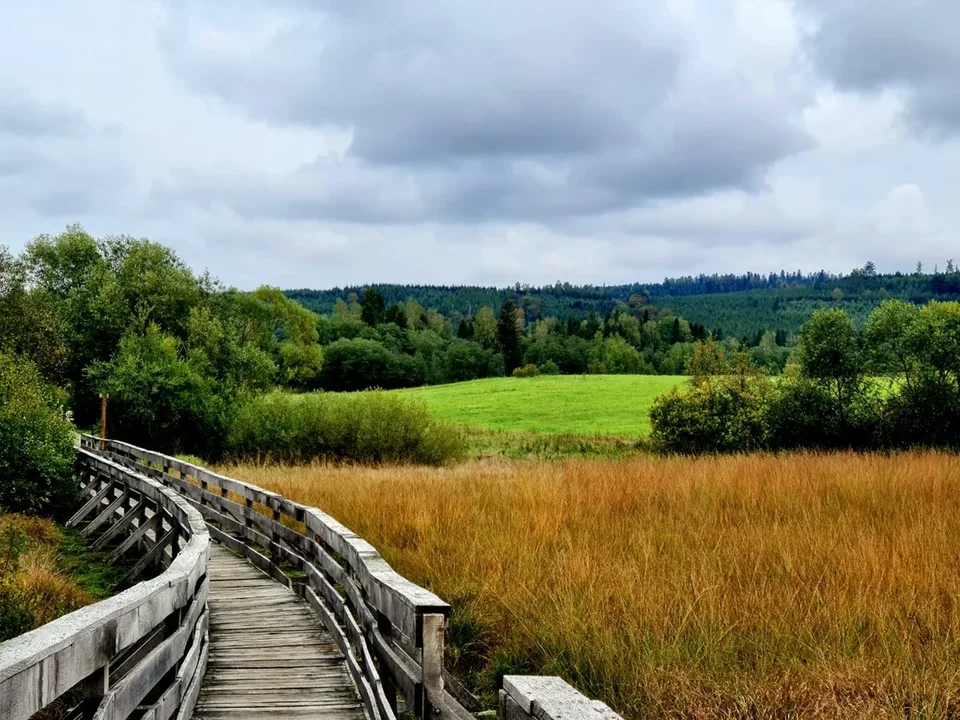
(894, 386)
(33, 587)
(371, 427)
(36, 442)
(527, 371)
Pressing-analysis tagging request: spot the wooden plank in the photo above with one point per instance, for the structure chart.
(287, 666)
(551, 698)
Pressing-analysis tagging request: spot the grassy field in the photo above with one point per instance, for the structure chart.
(611, 405)
(760, 587)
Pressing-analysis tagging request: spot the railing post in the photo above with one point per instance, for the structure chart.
(275, 540)
(431, 660)
(247, 519)
(386, 630)
(97, 685)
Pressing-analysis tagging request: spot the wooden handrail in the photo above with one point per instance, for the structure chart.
(146, 643)
(390, 630)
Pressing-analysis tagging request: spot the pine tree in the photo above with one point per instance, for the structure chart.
(465, 329)
(372, 307)
(508, 337)
(396, 314)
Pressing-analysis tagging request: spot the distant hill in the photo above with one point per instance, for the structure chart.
(738, 305)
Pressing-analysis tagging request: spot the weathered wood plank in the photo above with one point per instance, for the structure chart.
(551, 698)
(288, 666)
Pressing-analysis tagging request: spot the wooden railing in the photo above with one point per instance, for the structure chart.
(390, 631)
(142, 652)
(548, 698)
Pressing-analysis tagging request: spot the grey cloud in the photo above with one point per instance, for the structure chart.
(54, 162)
(480, 111)
(24, 116)
(894, 44)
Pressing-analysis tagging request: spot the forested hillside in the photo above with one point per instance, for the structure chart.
(735, 305)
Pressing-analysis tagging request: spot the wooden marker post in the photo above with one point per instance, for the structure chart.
(103, 421)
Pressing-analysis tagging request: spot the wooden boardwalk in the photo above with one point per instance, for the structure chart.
(270, 658)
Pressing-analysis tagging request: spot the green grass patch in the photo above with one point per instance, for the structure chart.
(597, 405)
(87, 568)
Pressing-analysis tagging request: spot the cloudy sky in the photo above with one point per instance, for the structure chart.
(318, 143)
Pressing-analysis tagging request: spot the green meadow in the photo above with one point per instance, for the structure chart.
(609, 405)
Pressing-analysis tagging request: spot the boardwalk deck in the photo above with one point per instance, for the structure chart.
(270, 658)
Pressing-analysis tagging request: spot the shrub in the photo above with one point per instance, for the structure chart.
(725, 409)
(922, 414)
(549, 368)
(527, 371)
(467, 360)
(369, 427)
(361, 364)
(36, 443)
(709, 419)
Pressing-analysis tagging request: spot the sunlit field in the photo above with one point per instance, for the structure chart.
(791, 586)
(575, 404)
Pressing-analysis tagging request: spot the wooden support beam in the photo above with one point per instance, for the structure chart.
(153, 523)
(106, 514)
(91, 504)
(152, 555)
(431, 662)
(132, 510)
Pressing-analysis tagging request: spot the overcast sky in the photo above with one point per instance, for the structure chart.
(305, 143)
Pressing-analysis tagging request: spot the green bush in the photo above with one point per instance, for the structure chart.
(36, 443)
(922, 414)
(527, 371)
(368, 427)
(725, 410)
(709, 419)
(549, 368)
(361, 364)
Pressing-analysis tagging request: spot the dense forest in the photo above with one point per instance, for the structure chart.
(728, 305)
(186, 364)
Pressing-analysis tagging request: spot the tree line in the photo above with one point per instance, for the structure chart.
(735, 305)
(894, 383)
(179, 356)
(370, 342)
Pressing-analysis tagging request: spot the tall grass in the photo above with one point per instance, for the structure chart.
(762, 586)
(371, 427)
(34, 586)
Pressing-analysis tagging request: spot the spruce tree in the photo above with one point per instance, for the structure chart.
(396, 314)
(372, 307)
(508, 337)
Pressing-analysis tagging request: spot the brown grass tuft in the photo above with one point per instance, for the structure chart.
(36, 530)
(761, 586)
(49, 592)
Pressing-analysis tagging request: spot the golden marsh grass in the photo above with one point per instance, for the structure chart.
(760, 586)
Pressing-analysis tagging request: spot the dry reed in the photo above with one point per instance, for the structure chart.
(761, 586)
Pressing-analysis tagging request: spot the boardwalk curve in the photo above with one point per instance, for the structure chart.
(255, 608)
(270, 658)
